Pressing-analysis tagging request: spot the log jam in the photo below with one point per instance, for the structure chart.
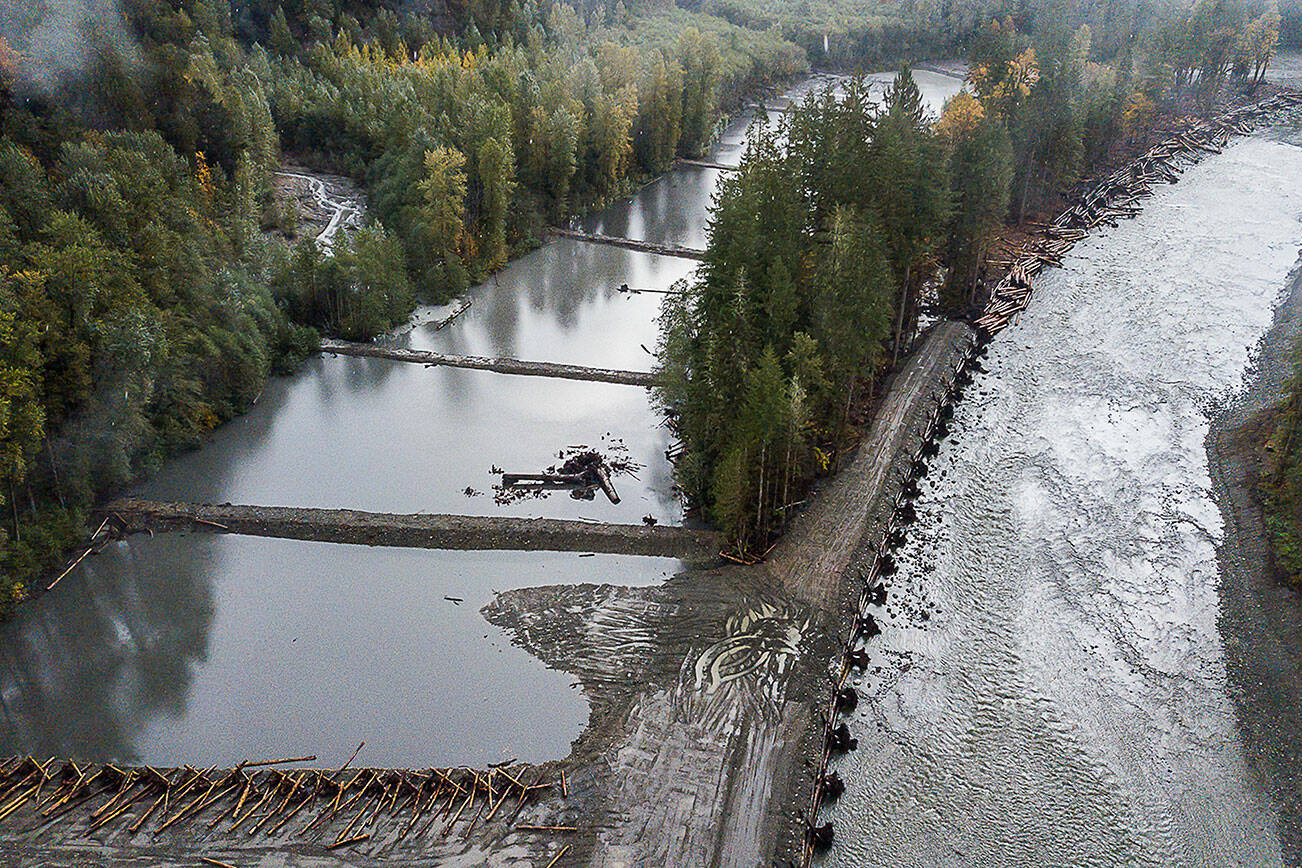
(484, 363)
(223, 811)
(419, 530)
(1115, 197)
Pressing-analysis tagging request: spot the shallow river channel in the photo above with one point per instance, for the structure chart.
(1052, 685)
(191, 648)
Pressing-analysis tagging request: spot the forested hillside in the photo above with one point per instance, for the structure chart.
(143, 299)
(469, 147)
(846, 34)
(134, 298)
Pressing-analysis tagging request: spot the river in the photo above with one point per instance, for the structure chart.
(191, 648)
(1052, 684)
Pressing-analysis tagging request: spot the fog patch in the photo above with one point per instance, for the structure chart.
(55, 42)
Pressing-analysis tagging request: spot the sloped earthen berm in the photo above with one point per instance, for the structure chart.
(712, 696)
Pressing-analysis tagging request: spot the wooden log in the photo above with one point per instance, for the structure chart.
(278, 762)
(447, 320)
(510, 479)
(707, 164)
(497, 365)
(603, 479)
(630, 244)
(356, 840)
(422, 530)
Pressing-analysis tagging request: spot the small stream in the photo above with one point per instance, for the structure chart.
(191, 648)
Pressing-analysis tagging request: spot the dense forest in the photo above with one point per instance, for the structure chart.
(142, 302)
(848, 34)
(145, 299)
(852, 216)
(1277, 434)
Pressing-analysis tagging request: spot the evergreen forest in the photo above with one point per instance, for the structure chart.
(147, 290)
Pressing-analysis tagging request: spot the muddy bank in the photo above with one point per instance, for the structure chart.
(1260, 618)
(710, 693)
(418, 530)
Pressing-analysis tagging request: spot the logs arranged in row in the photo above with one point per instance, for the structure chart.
(342, 807)
(837, 738)
(1115, 197)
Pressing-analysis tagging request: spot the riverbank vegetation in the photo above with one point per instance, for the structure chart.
(1278, 434)
(844, 222)
(817, 248)
(135, 309)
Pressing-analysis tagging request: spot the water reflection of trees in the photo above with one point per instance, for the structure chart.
(673, 209)
(83, 669)
(206, 472)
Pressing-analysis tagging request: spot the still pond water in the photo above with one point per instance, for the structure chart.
(190, 648)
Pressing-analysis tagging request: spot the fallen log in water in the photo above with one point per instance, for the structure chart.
(420, 530)
(630, 244)
(707, 164)
(482, 363)
(447, 320)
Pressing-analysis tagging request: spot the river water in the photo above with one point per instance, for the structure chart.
(191, 648)
(1051, 685)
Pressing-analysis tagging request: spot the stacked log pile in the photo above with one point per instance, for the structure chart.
(1115, 197)
(335, 808)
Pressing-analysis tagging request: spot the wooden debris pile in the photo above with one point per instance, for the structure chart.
(581, 474)
(339, 808)
(1115, 197)
(582, 471)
